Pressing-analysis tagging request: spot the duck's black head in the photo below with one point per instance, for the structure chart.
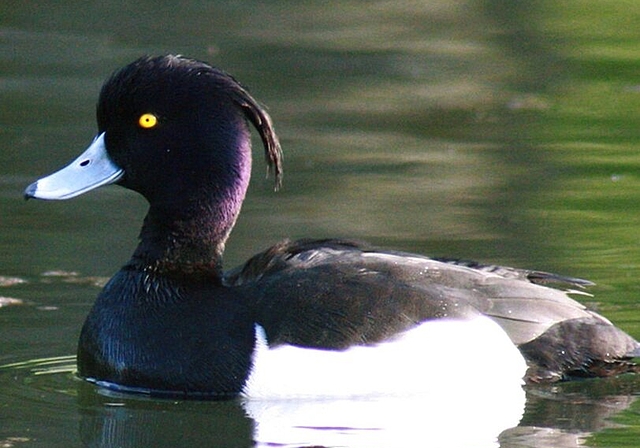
(176, 131)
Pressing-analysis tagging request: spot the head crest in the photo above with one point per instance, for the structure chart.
(259, 117)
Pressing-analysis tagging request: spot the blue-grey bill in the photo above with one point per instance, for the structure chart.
(91, 170)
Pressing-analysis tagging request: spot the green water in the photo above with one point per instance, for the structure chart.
(501, 131)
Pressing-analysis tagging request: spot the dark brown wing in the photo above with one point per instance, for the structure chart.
(338, 293)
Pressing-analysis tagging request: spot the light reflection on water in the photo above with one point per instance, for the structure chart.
(557, 416)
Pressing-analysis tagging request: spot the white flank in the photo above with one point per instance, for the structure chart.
(422, 360)
(444, 383)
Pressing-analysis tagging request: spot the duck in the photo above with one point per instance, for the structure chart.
(302, 318)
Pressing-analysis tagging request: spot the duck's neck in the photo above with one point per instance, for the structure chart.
(187, 240)
(181, 247)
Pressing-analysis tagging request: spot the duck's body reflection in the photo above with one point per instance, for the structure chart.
(445, 419)
(560, 416)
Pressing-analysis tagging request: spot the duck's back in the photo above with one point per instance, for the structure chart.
(334, 294)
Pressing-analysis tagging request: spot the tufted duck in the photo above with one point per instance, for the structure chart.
(309, 317)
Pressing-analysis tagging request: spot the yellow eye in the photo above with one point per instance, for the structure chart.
(147, 121)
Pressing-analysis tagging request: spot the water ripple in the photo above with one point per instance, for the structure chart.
(55, 374)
